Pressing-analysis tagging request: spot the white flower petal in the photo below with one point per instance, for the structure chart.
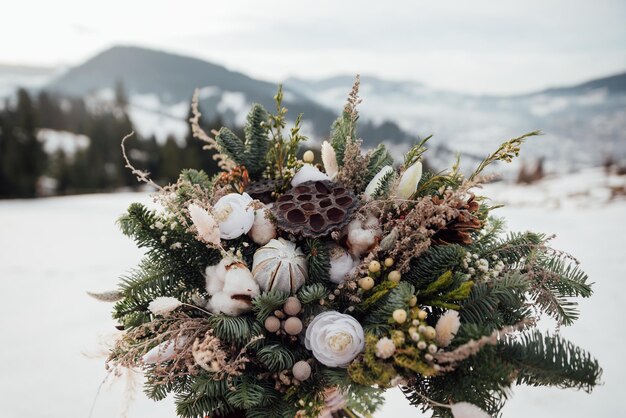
(234, 214)
(409, 181)
(375, 183)
(208, 230)
(329, 159)
(164, 351)
(308, 172)
(163, 305)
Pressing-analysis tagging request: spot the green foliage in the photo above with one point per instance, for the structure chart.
(238, 330)
(506, 152)
(397, 298)
(252, 151)
(318, 260)
(384, 188)
(428, 267)
(514, 248)
(276, 357)
(342, 129)
(266, 303)
(446, 291)
(550, 361)
(282, 159)
(199, 396)
(250, 392)
(140, 287)
(257, 141)
(378, 158)
(189, 261)
(497, 303)
(555, 281)
(312, 293)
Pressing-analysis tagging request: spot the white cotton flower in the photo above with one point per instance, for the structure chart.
(263, 229)
(467, 410)
(447, 327)
(375, 183)
(329, 158)
(164, 305)
(308, 172)
(235, 215)
(342, 265)
(409, 181)
(208, 230)
(214, 276)
(334, 338)
(165, 351)
(231, 287)
(385, 348)
(363, 235)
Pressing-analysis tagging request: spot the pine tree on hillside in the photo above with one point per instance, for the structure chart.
(23, 159)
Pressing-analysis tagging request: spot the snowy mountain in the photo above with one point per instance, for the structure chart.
(582, 124)
(160, 86)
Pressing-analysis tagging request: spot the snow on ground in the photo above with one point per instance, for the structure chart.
(68, 142)
(53, 250)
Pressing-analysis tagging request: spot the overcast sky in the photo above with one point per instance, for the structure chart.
(474, 46)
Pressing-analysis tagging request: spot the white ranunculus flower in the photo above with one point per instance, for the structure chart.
(206, 226)
(334, 338)
(375, 182)
(234, 214)
(308, 172)
(409, 181)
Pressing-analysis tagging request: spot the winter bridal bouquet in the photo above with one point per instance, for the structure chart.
(298, 287)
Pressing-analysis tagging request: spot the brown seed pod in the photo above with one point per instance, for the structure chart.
(293, 326)
(292, 306)
(315, 208)
(262, 190)
(272, 324)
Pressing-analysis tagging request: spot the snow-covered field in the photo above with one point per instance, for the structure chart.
(53, 250)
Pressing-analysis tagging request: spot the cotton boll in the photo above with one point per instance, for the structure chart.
(363, 235)
(467, 410)
(447, 327)
(214, 276)
(342, 265)
(263, 229)
(329, 158)
(239, 281)
(375, 183)
(164, 351)
(232, 288)
(308, 172)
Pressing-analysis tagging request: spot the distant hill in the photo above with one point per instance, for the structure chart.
(615, 84)
(171, 79)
